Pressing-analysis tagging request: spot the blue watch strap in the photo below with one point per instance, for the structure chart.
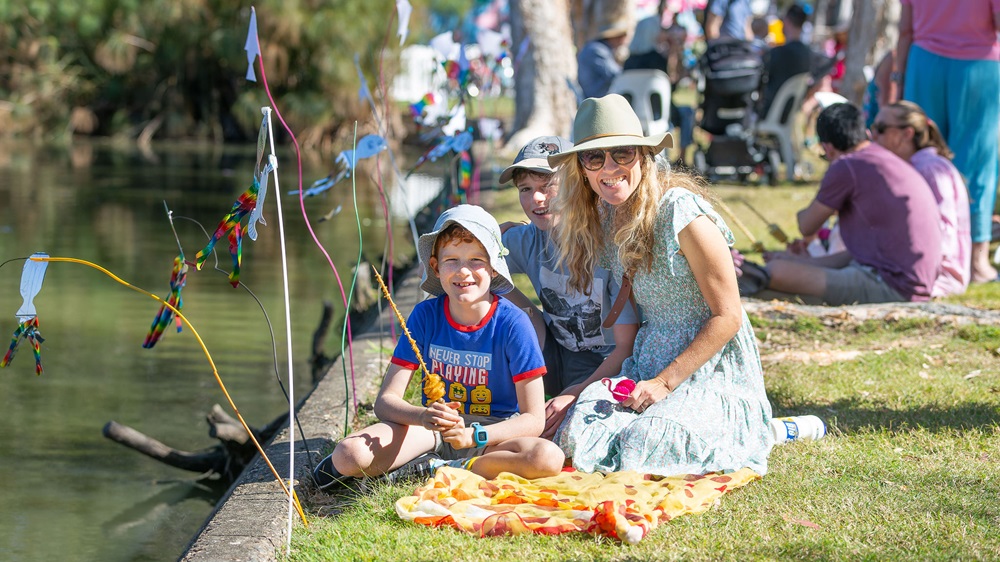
(478, 434)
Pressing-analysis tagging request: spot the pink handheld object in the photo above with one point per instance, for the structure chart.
(622, 390)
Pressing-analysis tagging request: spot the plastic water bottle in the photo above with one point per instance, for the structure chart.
(796, 428)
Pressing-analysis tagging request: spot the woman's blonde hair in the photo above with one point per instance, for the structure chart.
(925, 131)
(580, 235)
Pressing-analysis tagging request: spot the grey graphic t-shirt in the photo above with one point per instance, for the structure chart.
(574, 318)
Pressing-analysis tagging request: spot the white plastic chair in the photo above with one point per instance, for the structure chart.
(648, 92)
(779, 126)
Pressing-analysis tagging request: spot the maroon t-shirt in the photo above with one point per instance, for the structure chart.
(888, 218)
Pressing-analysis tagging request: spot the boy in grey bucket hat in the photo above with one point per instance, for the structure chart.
(483, 348)
(575, 344)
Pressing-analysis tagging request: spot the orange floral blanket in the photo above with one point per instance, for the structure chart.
(621, 505)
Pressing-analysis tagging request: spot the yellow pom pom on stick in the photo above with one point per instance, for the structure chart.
(433, 387)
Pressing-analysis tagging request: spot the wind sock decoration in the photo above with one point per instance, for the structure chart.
(252, 46)
(27, 329)
(230, 224)
(458, 70)
(343, 165)
(464, 174)
(249, 203)
(417, 108)
(459, 143)
(178, 276)
(261, 175)
(403, 9)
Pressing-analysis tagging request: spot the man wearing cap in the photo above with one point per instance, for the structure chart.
(597, 64)
(574, 342)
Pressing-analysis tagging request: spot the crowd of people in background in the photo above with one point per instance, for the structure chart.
(941, 143)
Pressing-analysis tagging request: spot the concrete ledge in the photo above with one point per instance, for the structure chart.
(250, 522)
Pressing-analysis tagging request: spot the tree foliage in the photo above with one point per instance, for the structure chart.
(176, 67)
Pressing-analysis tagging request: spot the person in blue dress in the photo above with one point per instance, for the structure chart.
(699, 403)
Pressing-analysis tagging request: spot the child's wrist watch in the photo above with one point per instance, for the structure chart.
(478, 434)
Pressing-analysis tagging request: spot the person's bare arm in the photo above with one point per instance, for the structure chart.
(813, 217)
(903, 51)
(529, 422)
(713, 24)
(519, 299)
(883, 79)
(712, 265)
(557, 406)
(390, 406)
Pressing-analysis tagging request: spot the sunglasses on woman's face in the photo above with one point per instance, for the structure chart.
(593, 160)
(882, 127)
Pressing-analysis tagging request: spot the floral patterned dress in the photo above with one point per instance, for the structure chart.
(717, 418)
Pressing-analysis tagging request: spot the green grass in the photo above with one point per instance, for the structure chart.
(910, 468)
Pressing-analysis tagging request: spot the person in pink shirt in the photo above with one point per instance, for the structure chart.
(904, 129)
(887, 217)
(948, 63)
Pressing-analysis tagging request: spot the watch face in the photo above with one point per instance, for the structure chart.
(479, 434)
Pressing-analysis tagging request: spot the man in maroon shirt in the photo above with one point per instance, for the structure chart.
(887, 215)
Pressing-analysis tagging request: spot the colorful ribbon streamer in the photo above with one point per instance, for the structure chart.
(27, 330)
(178, 276)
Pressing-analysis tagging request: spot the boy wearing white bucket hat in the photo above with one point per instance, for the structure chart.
(486, 353)
(575, 344)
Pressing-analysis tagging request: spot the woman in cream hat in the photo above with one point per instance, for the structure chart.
(699, 403)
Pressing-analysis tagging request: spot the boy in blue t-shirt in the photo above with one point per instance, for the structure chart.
(486, 353)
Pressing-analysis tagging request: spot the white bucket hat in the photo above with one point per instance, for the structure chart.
(607, 122)
(484, 227)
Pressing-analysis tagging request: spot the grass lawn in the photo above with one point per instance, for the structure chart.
(910, 468)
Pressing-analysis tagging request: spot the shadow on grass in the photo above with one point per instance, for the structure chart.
(851, 415)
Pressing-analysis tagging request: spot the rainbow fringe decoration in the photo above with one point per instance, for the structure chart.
(178, 276)
(417, 108)
(26, 330)
(464, 172)
(231, 224)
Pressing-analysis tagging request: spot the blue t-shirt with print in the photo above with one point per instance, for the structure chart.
(478, 364)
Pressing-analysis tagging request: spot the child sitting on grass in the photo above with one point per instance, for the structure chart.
(486, 353)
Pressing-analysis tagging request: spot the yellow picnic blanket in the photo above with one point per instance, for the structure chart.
(622, 505)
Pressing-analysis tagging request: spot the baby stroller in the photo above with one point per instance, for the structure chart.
(731, 72)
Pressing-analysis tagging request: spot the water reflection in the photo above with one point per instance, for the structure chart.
(69, 493)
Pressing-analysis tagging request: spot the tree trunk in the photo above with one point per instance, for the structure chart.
(888, 34)
(860, 42)
(545, 102)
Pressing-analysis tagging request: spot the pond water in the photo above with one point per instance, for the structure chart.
(70, 494)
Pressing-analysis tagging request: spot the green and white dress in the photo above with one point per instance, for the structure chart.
(717, 418)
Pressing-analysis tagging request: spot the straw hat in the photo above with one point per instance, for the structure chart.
(607, 122)
(484, 227)
(612, 29)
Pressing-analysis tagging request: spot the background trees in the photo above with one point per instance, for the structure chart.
(176, 67)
